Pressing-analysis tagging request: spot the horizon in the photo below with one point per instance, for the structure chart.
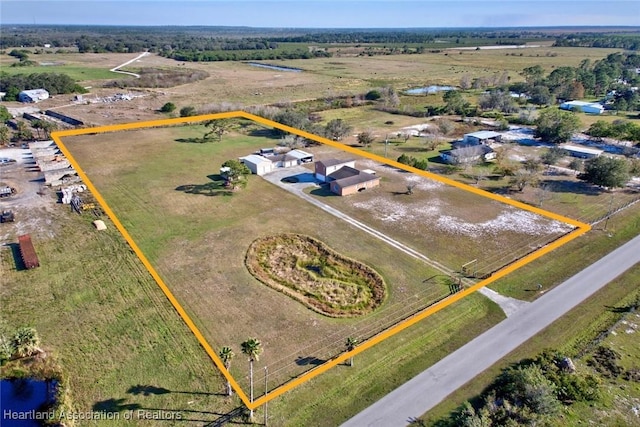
(531, 27)
(324, 14)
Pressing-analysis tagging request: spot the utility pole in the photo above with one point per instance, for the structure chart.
(609, 212)
(266, 391)
(386, 142)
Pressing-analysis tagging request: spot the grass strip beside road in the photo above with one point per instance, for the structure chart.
(335, 396)
(552, 269)
(572, 333)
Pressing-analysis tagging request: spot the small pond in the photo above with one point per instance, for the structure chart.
(427, 90)
(18, 397)
(274, 67)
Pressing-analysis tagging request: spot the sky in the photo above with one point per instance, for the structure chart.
(324, 13)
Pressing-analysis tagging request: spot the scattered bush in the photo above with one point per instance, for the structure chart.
(169, 107)
(373, 95)
(188, 111)
(422, 164)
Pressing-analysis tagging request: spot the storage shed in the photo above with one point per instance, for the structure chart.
(585, 107)
(581, 152)
(301, 156)
(33, 95)
(258, 165)
(28, 252)
(482, 137)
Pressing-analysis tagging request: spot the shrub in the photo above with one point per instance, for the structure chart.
(373, 95)
(187, 111)
(169, 107)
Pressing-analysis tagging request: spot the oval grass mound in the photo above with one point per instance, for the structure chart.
(314, 274)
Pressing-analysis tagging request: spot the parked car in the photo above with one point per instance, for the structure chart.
(6, 161)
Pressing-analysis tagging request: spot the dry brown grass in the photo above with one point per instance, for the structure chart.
(310, 272)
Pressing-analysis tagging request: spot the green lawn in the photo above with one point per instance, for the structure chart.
(340, 393)
(76, 72)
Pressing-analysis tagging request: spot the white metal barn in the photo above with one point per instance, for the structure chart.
(34, 95)
(258, 165)
(585, 107)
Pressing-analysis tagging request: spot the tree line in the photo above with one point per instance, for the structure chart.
(243, 55)
(615, 41)
(54, 83)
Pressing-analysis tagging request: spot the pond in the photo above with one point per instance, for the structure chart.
(22, 398)
(428, 90)
(274, 67)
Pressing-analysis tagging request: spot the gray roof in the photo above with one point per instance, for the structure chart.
(255, 159)
(471, 150)
(344, 172)
(299, 154)
(333, 162)
(484, 134)
(356, 179)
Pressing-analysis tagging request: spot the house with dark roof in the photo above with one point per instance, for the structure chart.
(325, 168)
(343, 177)
(468, 154)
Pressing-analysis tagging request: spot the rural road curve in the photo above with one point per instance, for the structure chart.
(429, 388)
(117, 69)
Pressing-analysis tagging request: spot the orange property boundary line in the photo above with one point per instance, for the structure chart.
(580, 229)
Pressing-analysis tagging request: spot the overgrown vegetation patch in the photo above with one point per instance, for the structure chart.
(309, 271)
(161, 77)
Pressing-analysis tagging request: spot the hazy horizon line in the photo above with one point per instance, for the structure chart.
(324, 28)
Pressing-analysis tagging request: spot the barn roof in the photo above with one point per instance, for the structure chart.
(356, 179)
(584, 150)
(333, 162)
(484, 134)
(344, 172)
(254, 159)
(299, 154)
(35, 92)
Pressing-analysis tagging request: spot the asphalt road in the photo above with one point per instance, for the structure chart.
(429, 388)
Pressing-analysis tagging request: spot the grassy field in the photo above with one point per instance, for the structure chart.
(118, 340)
(573, 333)
(445, 67)
(122, 344)
(198, 243)
(78, 73)
(337, 395)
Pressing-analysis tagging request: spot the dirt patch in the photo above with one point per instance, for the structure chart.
(312, 273)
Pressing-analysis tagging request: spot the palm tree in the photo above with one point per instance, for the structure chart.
(351, 344)
(253, 349)
(226, 354)
(26, 342)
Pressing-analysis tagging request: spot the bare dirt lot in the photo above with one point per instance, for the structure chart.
(33, 204)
